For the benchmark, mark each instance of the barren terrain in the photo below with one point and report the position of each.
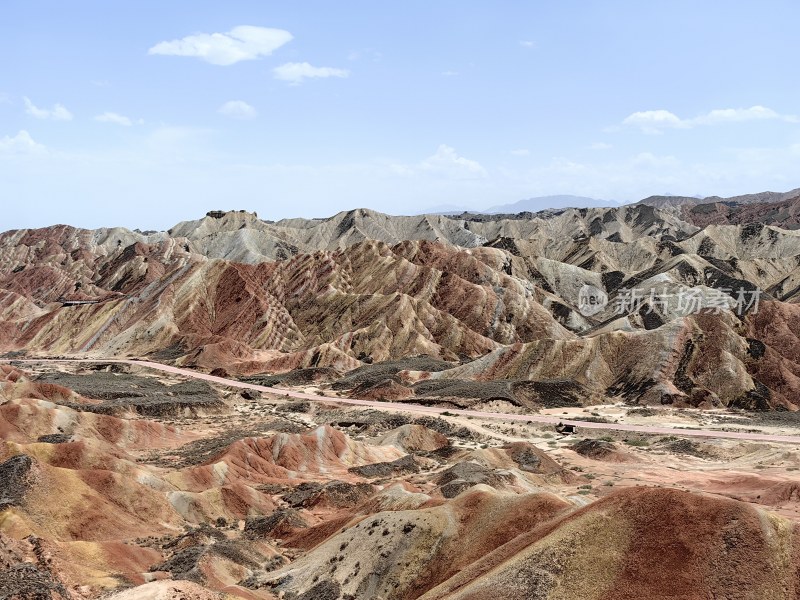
(369, 406)
(256, 494)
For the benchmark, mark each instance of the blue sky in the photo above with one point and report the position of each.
(142, 114)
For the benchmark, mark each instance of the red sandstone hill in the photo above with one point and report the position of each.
(92, 504)
(495, 301)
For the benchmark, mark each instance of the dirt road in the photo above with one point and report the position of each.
(416, 408)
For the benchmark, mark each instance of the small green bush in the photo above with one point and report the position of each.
(638, 442)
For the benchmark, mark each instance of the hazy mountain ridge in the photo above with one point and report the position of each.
(757, 198)
(782, 213)
(541, 203)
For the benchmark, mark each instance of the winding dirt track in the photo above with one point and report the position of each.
(416, 408)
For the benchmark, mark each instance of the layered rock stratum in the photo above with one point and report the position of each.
(496, 299)
(118, 482)
(256, 497)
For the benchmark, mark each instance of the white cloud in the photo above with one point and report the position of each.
(446, 159)
(754, 113)
(112, 117)
(600, 146)
(57, 113)
(527, 43)
(237, 109)
(295, 73)
(728, 172)
(449, 73)
(655, 121)
(22, 143)
(446, 163)
(521, 152)
(175, 170)
(245, 42)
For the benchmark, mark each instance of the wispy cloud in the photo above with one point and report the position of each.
(245, 42)
(57, 113)
(22, 143)
(754, 113)
(296, 73)
(527, 43)
(112, 117)
(521, 152)
(447, 159)
(5, 98)
(445, 163)
(449, 73)
(656, 121)
(238, 109)
(600, 146)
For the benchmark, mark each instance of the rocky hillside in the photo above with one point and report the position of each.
(495, 305)
(256, 497)
(758, 198)
(783, 213)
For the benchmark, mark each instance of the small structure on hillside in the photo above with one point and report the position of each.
(65, 302)
(566, 429)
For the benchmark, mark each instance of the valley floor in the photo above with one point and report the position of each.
(149, 481)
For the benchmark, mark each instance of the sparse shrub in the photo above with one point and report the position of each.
(637, 442)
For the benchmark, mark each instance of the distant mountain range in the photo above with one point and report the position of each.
(758, 198)
(561, 201)
(533, 205)
(544, 202)
(784, 213)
